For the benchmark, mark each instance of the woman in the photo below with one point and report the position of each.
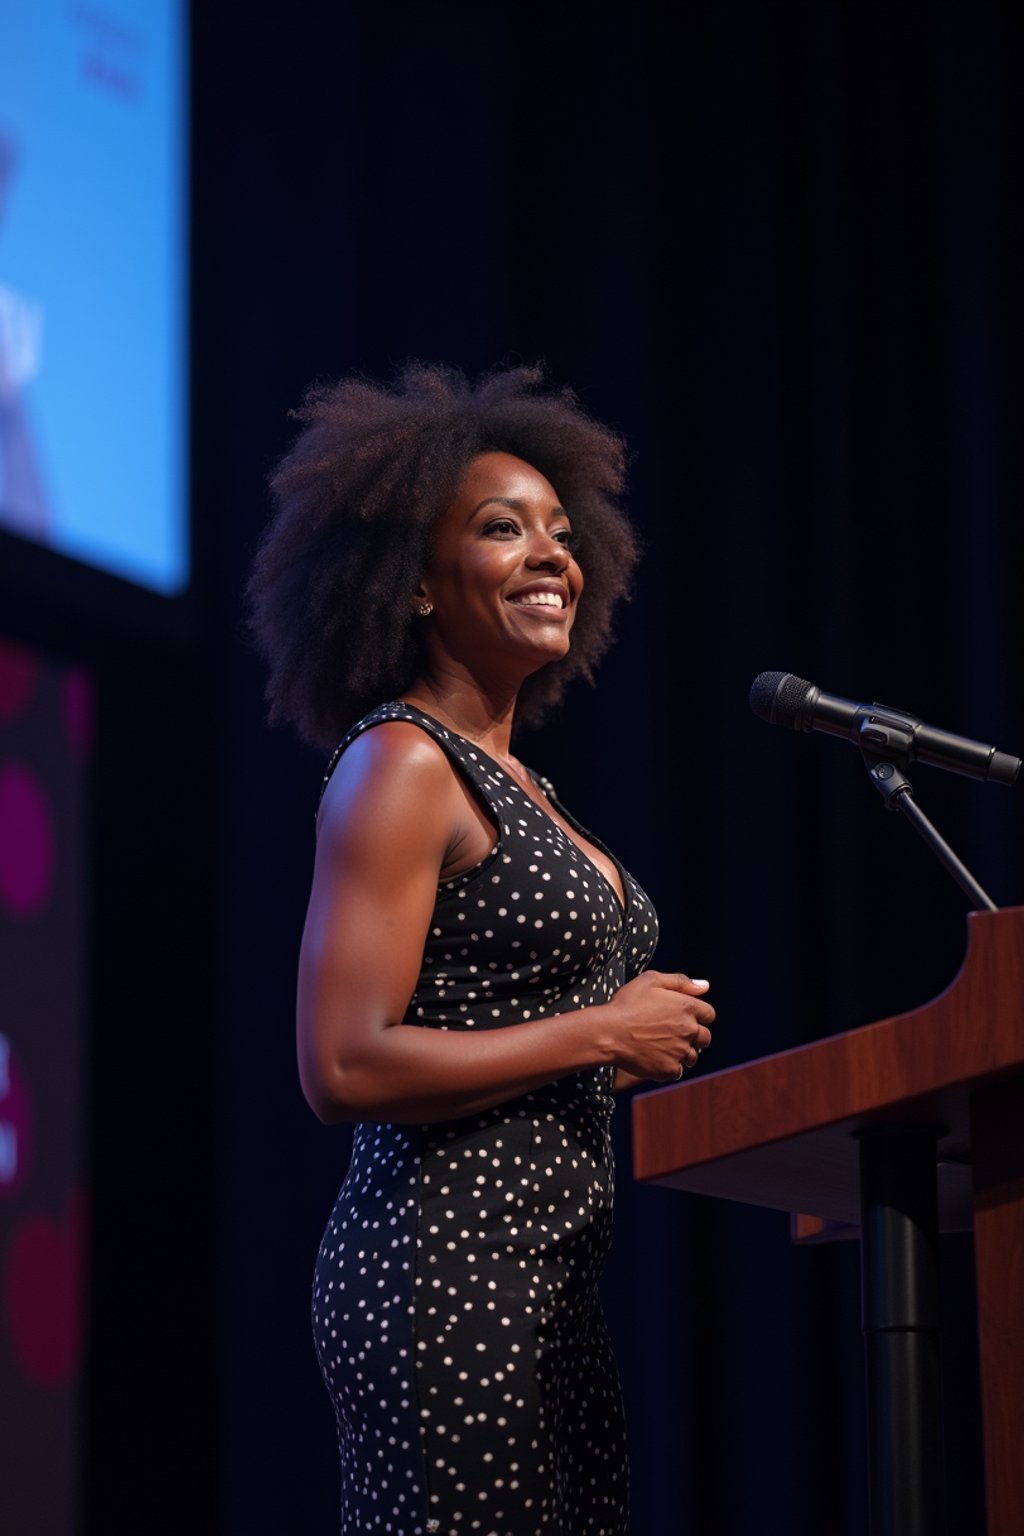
(471, 983)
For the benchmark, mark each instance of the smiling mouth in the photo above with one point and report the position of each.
(539, 600)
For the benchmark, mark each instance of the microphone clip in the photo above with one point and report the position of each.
(890, 738)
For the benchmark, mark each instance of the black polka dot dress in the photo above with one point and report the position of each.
(455, 1306)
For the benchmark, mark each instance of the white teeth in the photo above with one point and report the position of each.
(536, 599)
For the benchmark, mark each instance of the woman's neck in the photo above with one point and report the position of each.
(480, 715)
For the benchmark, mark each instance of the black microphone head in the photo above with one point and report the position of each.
(780, 698)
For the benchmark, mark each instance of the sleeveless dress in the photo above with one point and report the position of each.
(455, 1308)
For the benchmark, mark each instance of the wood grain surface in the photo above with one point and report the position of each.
(782, 1132)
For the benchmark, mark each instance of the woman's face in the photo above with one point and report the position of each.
(503, 580)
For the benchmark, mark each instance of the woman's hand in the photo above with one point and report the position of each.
(657, 1025)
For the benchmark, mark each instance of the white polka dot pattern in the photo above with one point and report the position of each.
(455, 1307)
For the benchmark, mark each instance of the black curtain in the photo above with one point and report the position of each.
(777, 245)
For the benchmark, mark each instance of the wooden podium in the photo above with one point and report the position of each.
(785, 1132)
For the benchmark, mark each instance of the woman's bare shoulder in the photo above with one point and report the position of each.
(394, 770)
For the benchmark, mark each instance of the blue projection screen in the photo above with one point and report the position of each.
(93, 283)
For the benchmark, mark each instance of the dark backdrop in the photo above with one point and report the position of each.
(778, 246)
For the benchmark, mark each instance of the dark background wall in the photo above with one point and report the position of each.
(778, 246)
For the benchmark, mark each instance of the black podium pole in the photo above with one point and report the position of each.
(900, 1305)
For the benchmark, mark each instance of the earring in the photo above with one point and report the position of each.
(426, 609)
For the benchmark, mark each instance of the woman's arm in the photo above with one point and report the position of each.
(391, 815)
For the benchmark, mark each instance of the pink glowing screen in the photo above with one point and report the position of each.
(45, 743)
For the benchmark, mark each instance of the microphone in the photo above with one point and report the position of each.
(782, 699)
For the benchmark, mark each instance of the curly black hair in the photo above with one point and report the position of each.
(357, 498)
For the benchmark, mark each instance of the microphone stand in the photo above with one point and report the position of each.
(899, 1252)
(898, 793)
